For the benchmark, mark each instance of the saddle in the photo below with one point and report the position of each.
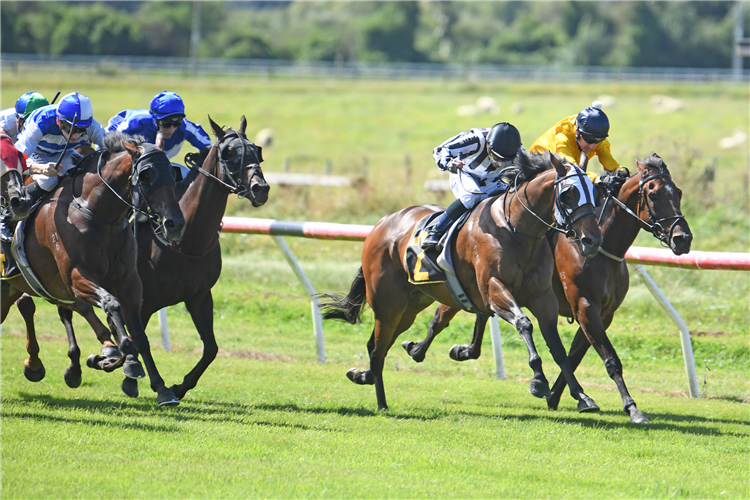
(432, 266)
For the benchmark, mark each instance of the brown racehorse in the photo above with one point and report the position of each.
(594, 288)
(82, 249)
(500, 256)
(13, 197)
(591, 291)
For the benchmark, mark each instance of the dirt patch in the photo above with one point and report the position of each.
(708, 333)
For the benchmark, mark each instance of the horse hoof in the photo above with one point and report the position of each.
(539, 389)
(353, 375)
(111, 351)
(130, 387)
(72, 377)
(411, 349)
(167, 398)
(34, 375)
(636, 417)
(586, 405)
(133, 368)
(552, 402)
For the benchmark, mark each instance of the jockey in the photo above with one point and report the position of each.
(46, 134)
(475, 159)
(164, 125)
(12, 119)
(583, 133)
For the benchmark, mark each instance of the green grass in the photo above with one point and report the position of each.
(267, 420)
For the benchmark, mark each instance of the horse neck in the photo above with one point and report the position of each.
(100, 199)
(619, 228)
(203, 205)
(538, 197)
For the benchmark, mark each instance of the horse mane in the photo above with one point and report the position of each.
(113, 141)
(654, 162)
(527, 166)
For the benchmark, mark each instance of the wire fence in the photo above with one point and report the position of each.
(367, 70)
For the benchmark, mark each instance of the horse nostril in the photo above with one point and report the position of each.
(15, 202)
(169, 224)
(255, 188)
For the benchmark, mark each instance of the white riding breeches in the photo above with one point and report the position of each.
(69, 161)
(470, 190)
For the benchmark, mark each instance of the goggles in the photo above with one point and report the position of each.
(171, 121)
(66, 127)
(499, 159)
(591, 139)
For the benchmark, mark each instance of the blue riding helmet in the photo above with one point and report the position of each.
(76, 104)
(29, 102)
(593, 123)
(166, 104)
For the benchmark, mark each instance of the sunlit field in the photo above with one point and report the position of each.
(268, 420)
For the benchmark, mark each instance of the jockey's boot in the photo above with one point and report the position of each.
(35, 192)
(437, 230)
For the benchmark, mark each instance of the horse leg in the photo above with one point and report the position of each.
(110, 358)
(578, 350)
(473, 350)
(73, 372)
(504, 305)
(545, 308)
(202, 312)
(33, 368)
(443, 316)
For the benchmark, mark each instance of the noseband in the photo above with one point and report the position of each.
(226, 175)
(656, 226)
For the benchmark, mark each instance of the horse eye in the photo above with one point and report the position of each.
(146, 176)
(570, 197)
(229, 154)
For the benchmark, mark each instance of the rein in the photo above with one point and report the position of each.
(225, 172)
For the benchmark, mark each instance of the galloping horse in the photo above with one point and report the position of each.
(13, 197)
(186, 269)
(81, 248)
(591, 291)
(500, 257)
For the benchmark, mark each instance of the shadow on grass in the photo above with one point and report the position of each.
(248, 414)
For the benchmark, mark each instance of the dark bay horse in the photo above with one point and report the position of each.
(187, 269)
(500, 256)
(13, 197)
(82, 249)
(591, 290)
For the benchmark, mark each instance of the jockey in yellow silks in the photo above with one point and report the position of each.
(586, 132)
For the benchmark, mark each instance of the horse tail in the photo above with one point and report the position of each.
(346, 307)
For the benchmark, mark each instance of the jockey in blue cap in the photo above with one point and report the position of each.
(45, 134)
(164, 124)
(12, 119)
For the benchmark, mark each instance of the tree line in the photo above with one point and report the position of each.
(638, 34)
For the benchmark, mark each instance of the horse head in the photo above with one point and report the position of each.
(152, 184)
(574, 206)
(239, 163)
(657, 204)
(13, 196)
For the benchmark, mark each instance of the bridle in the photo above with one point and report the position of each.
(152, 159)
(228, 177)
(656, 226)
(564, 218)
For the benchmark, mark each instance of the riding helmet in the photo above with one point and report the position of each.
(166, 104)
(504, 140)
(75, 104)
(593, 122)
(29, 102)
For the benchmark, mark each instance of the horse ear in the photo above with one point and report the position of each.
(130, 148)
(558, 164)
(218, 132)
(243, 124)
(640, 165)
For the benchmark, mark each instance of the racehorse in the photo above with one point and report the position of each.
(500, 257)
(591, 290)
(13, 197)
(82, 249)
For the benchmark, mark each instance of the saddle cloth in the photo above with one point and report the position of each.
(430, 266)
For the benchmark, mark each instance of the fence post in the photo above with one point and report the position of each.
(687, 346)
(317, 318)
(497, 346)
(164, 329)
